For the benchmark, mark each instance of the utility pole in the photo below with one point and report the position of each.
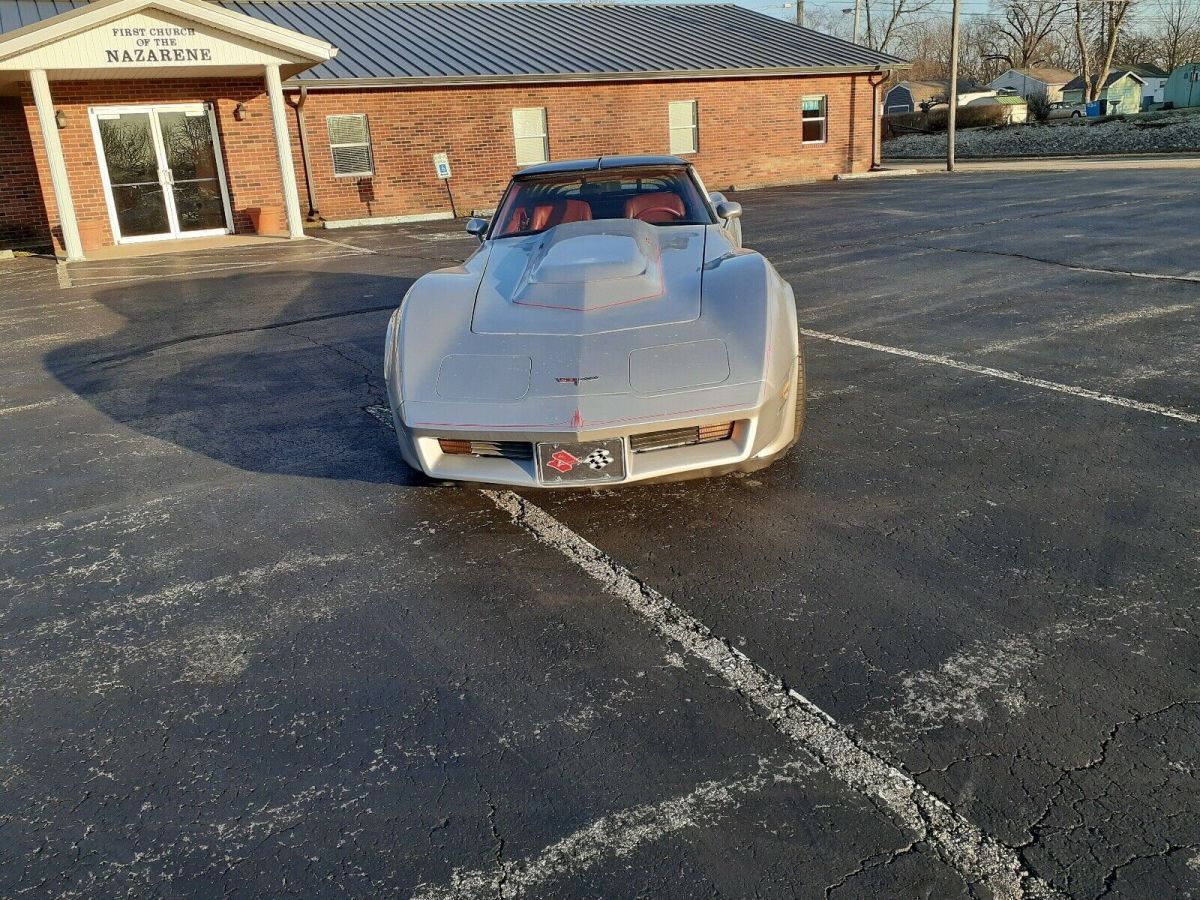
(857, 7)
(1104, 8)
(952, 114)
(800, 13)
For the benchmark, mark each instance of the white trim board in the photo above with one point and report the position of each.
(305, 49)
(388, 220)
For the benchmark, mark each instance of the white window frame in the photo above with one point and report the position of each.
(823, 99)
(518, 137)
(692, 130)
(364, 144)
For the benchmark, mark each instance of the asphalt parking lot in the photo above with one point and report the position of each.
(947, 647)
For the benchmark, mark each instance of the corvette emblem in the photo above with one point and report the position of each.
(575, 380)
(598, 459)
(563, 461)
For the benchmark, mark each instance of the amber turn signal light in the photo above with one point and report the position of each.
(709, 433)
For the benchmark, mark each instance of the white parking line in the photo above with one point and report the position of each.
(615, 835)
(40, 404)
(86, 278)
(1085, 393)
(1126, 317)
(978, 857)
(343, 244)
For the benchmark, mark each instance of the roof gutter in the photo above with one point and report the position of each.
(582, 77)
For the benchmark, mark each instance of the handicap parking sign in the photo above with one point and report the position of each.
(441, 162)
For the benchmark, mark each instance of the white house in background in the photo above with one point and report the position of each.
(1045, 81)
(1016, 109)
(1155, 88)
(914, 96)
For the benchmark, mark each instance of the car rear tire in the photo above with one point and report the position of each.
(1077, 115)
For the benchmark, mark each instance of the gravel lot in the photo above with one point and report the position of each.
(947, 648)
(1154, 133)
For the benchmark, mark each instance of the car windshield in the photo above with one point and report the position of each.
(656, 196)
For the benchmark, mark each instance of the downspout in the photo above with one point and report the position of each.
(876, 162)
(314, 214)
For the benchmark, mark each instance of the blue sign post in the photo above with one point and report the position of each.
(441, 165)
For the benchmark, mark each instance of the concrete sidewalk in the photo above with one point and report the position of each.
(1053, 163)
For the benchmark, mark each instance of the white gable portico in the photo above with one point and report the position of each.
(147, 41)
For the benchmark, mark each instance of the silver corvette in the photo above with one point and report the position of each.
(609, 329)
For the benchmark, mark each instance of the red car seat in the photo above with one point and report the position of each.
(656, 208)
(547, 214)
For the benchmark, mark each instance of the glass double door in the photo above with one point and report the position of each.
(163, 171)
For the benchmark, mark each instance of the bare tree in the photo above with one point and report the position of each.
(1140, 46)
(1022, 34)
(1097, 28)
(830, 20)
(887, 20)
(926, 45)
(1178, 32)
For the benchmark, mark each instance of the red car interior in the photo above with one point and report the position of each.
(548, 214)
(656, 208)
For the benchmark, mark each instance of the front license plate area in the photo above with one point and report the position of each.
(588, 462)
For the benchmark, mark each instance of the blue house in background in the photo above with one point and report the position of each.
(1183, 87)
(1122, 91)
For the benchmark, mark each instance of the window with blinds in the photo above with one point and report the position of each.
(684, 125)
(812, 112)
(529, 135)
(350, 143)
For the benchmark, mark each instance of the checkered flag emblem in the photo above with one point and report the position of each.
(598, 459)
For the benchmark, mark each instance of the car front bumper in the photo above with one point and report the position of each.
(763, 429)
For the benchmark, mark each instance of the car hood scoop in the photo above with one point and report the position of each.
(590, 277)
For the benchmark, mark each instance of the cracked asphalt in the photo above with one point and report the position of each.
(245, 652)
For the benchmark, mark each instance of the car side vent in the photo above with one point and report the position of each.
(502, 449)
(680, 437)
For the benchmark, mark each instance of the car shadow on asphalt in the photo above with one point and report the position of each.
(270, 371)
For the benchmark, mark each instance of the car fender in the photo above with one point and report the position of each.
(433, 319)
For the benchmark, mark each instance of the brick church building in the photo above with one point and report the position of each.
(150, 120)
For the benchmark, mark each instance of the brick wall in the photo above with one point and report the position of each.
(749, 136)
(248, 147)
(22, 212)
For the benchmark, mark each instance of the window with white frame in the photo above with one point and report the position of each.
(812, 112)
(530, 136)
(350, 143)
(684, 124)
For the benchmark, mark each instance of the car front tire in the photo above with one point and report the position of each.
(801, 396)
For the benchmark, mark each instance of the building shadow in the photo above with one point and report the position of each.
(273, 371)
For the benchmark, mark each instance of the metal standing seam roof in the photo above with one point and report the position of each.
(1115, 74)
(16, 14)
(388, 41)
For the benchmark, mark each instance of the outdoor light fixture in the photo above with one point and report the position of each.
(239, 112)
(60, 119)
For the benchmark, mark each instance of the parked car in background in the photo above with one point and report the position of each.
(1065, 110)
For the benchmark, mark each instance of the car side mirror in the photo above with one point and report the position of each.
(477, 228)
(730, 214)
(729, 209)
